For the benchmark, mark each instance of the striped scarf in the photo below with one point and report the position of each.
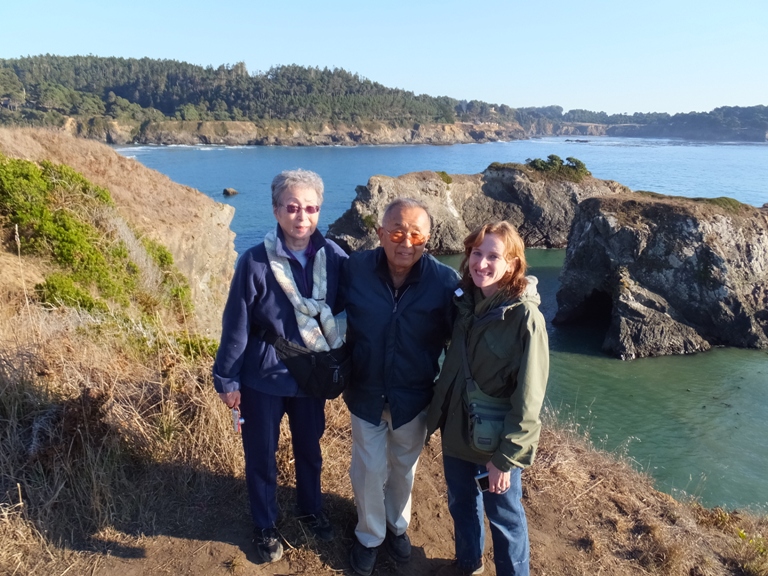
(318, 337)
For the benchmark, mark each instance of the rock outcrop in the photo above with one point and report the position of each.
(540, 207)
(192, 226)
(668, 275)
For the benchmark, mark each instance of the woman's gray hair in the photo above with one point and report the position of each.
(288, 179)
(400, 203)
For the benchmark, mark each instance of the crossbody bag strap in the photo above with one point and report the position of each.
(469, 381)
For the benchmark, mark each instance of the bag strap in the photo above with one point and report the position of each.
(267, 335)
(470, 383)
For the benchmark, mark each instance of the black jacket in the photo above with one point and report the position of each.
(396, 338)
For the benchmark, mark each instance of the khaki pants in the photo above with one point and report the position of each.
(382, 471)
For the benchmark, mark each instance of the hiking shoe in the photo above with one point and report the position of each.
(267, 544)
(399, 547)
(454, 569)
(363, 559)
(319, 525)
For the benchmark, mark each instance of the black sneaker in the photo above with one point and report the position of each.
(363, 559)
(319, 525)
(268, 545)
(399, 547)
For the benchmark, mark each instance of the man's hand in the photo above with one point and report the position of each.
(231, 399)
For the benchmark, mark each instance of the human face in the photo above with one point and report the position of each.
(487, 264)
(401, 256)
(299, 226)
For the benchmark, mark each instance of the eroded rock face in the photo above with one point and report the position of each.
(674, 275)
(540, 208)
(232, 133)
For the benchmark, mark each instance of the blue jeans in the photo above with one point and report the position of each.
(509, 529)
(261, 432)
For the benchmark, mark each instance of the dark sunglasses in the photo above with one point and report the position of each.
(294, 208)
(397, 236)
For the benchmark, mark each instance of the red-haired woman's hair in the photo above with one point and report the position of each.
(513, 282)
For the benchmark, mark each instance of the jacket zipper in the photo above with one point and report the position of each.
(395, 294)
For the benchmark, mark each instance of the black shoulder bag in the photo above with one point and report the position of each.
(319, 374)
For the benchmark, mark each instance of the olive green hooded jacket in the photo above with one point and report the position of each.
(509, 358)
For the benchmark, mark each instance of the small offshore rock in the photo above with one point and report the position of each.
(230, 192)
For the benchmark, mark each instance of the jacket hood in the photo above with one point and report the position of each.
(531, 292)
(466, 302)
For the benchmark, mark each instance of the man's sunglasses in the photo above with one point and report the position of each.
(397, 236)
(295, 208)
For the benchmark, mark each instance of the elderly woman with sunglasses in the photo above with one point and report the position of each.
(399, 317)
(286, 285)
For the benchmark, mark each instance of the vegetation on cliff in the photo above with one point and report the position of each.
(53, 212)
(573, 169)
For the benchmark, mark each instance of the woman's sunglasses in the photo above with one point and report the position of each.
(295, 208)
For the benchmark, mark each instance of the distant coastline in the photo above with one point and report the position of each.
(242, 133)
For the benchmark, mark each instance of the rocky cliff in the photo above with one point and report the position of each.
(540, 207)
(192, 226)
(688, 132)
(668, 275)
(286, 133)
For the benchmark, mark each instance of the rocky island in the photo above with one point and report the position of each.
(668, 275)
(540, 203)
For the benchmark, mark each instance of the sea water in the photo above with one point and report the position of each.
(696, 424)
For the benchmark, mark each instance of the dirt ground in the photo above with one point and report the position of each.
(588, 513)
(219, 541)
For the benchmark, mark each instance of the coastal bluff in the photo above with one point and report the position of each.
(541, 207)
(291, 133)
(194, 228)
(668, 275)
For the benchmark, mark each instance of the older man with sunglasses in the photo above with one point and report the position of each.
(399, 318)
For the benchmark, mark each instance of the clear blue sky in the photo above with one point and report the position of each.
(610, 55)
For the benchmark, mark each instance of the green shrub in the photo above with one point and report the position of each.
(54, 208)
(370, 222)
(573, 169)
(61, 290)
(444, 176)
(159, 253)
(194, 346)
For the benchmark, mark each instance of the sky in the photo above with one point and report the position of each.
(601, 55)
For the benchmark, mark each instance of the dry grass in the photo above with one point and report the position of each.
(105, 423)
(111, 437)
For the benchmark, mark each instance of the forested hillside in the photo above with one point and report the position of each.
(44, 89)
(94, 91)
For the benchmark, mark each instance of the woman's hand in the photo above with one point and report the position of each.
(232, 400)
(498, 481)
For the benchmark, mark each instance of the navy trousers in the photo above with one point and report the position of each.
(261, 432)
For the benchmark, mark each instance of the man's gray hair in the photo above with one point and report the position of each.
(296, 178)
(400, 203)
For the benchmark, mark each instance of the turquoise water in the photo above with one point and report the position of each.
(695, 423)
